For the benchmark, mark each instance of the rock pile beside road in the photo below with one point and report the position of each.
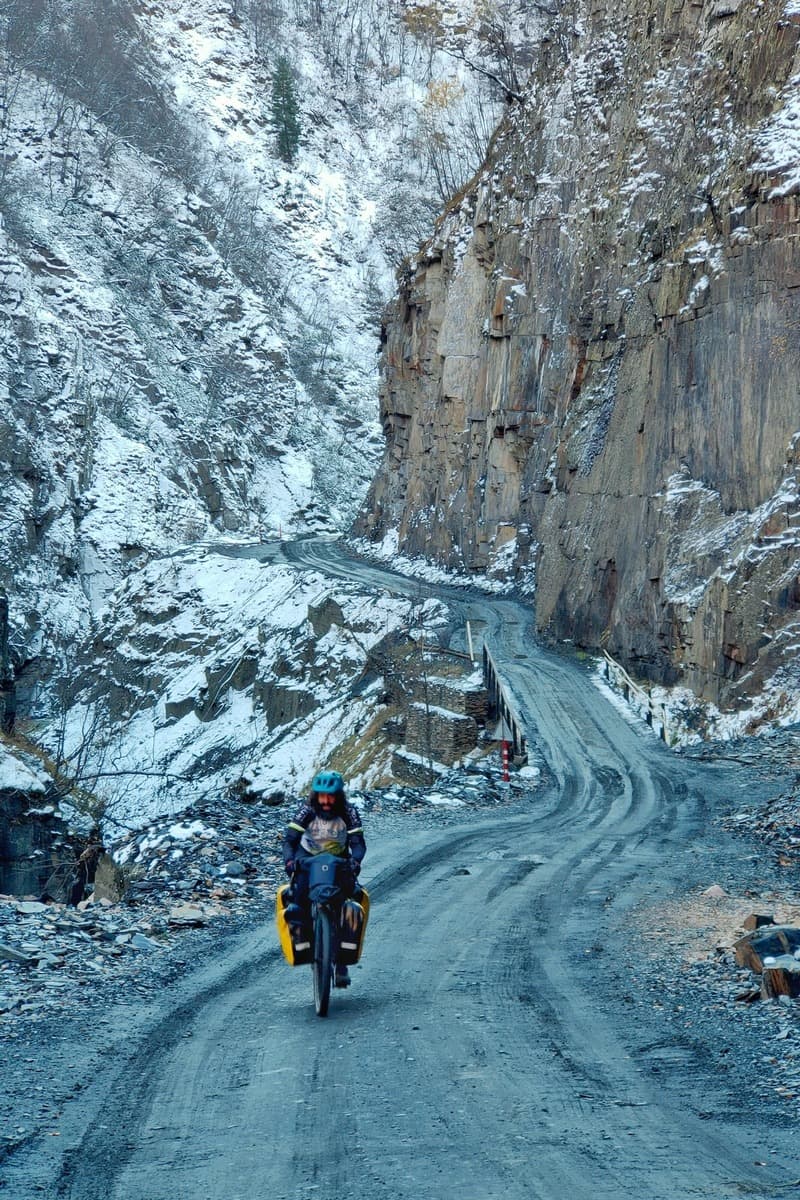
(776, 824)
(774, 820)
(178, 874)
(687, 963)
(215, 863)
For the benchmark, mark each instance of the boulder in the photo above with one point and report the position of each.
(757, 921)
(773, 941)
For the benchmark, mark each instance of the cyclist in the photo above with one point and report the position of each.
(327, 824)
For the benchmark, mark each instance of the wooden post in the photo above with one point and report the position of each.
(504, 759)
(780, 977)
(469, 644)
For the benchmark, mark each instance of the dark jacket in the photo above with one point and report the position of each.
(311, 831)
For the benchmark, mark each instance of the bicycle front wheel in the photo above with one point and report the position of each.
(322, 966)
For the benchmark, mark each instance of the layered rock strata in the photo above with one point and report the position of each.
(590, 373)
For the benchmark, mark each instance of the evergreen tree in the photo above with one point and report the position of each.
(285, 116)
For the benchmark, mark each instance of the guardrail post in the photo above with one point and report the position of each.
(620, 678)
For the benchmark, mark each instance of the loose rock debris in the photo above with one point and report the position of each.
(218, 862)
(686, 960)
(694, 963)
(185, 883)
(168, 882)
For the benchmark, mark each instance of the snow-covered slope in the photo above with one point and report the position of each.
(217, 672)
(189, 324)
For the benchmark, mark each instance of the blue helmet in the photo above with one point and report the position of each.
(328, 781)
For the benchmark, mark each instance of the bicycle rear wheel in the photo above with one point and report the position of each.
(322, 966)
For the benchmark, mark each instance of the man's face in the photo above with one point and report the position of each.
(326, 801)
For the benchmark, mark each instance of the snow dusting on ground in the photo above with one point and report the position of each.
(190, 322)
(689, 721)
(225, 672)
(386, 551)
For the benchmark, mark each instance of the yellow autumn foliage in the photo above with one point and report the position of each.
(442, 94)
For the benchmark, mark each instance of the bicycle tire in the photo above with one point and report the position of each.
(322, 965)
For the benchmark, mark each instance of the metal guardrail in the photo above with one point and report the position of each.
(500, 708)
(656, 714)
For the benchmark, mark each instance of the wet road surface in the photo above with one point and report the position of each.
(475, 1056)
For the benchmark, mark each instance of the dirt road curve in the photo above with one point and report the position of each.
(476, 1056)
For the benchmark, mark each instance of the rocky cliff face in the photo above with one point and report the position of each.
(592, 369)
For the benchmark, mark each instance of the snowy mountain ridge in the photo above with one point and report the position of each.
(189, 323)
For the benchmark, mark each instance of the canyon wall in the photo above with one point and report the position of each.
(591, 371)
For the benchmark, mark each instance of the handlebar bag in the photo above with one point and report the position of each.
(329, 878)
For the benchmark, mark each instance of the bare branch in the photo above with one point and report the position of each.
(509, 93)
(132, 773)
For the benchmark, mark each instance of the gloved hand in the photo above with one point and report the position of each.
(355, 866)
(289, 865)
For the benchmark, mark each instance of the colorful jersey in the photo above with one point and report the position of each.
(317, 833)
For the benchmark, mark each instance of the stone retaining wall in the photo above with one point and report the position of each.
(452, 694)
(439, 733)
(411, 769)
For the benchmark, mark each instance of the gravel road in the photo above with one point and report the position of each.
(493, 1044)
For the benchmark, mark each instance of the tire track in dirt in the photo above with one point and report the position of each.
(475, 1058)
